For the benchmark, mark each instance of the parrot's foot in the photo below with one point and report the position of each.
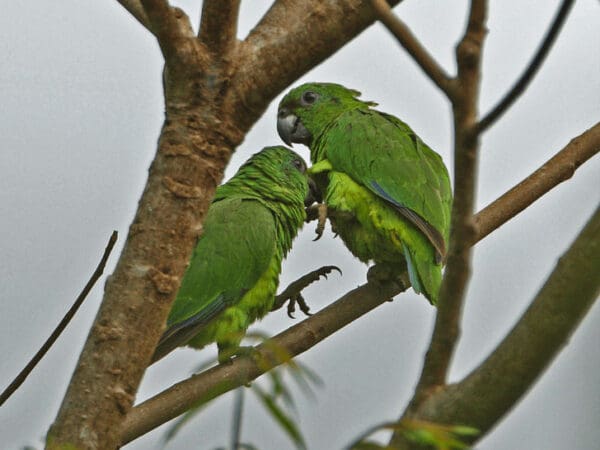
(317, 212)
(293, 293)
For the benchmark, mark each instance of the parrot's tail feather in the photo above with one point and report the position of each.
(180, 333)
(412, 272)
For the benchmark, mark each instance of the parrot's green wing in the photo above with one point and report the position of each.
(383, 154)
(235, 249)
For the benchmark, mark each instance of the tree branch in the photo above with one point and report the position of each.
(292, 38)
(196, 142)
(194, 147)
(463, 234)
(218, 27)
(171, 27)
(492, 389)
(520, 86)
(206, 118)
(207, 385)
(12, 387)
(412, 45)
(557, 169)
(136, 9)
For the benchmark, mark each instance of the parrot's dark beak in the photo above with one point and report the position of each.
(313, 195)
(291, 129)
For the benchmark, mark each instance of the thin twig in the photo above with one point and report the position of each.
(407, 39)
(299, 338)
(557, 169)
(136, 9)
(520, 86)
(12, 387)
(463, 233)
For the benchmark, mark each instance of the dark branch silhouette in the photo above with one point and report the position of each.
(537, 61)
(19, 379)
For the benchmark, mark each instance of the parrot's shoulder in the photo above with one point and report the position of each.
(234, 249)
(238, 211)
(383, 154)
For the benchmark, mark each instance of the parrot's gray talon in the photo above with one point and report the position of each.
(293, 293)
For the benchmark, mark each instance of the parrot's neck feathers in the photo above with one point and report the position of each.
(286, 206)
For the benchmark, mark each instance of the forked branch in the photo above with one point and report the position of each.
(170, 26)
(299, 338)
(462, 231)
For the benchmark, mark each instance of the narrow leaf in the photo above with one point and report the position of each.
(280, 417)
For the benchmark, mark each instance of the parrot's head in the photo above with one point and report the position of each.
(280, 174)
(307, 110)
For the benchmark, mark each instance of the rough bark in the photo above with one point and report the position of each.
(211, 100)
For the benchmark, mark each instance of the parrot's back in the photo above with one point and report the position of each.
(231, 278)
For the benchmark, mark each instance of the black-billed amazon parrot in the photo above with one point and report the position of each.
(234, 270)
(388, 195)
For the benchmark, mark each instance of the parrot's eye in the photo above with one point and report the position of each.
(299, 164)
(309, 97)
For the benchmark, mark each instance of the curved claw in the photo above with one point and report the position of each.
(291, 308)
(321, 220)
(297, 300)
(328, 269)
(319, 232)
(293, 293)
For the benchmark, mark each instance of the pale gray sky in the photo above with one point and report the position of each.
(81, 111)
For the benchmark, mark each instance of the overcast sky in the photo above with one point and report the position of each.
(81, 109)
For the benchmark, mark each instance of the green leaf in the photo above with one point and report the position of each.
(370, 445)
(463, 430)
(439, 436)
(284, 421)
(279, 389)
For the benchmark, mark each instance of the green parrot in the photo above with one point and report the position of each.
(387, 193)
(234, 271)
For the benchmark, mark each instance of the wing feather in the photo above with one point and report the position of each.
(235, 249)
(385, 155)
